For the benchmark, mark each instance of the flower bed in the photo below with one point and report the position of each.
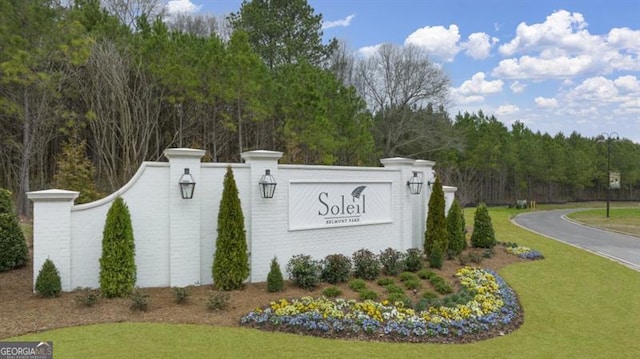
(493, 310)
(524, 252)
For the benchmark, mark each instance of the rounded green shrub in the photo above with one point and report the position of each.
(13, 246)
(392, 261)
(413, 284)
(331, 292)
(483, 235)
(48, 283)
(425, 274)
(413, 260)
(368, 294)
(336, 268)
(397, 297)
(140, 300)
(405, 276)
(275, 282)
(393, 288)
(385, 281)
(366, 265)
(117, 264)
(357, 285)
(303, 271)
(231, 260)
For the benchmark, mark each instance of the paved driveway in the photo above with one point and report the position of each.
(553, 224)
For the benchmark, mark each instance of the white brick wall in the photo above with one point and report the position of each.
(175, 238)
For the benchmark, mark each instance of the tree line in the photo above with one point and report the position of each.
(127, 81)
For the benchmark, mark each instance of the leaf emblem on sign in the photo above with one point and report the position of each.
(357, 192)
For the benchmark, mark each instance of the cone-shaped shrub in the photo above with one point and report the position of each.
(75, 172)
(435, 257)
(48, 284)
(455, 229)
(483, 235)
(275, 282)
(117, 264)
(436, 232)
(13, 247)
(231, 261)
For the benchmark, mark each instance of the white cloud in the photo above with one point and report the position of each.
(459, 99)
(628, 83)
(478, 45)
(336, 23)
(597, 98)
(438, 41)
(367, 51)
(528, 67)
(597, 89)
(478, 85)
(624, 38)
(561, 28)
(505, 110)
(546, 102)
(517, 87)
(562, 47)
(182, 6)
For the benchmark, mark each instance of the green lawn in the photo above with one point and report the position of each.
(577, 305)
(626, 220)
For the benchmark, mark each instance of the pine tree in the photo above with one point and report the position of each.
(117, 264)
(6, 205)
(275, 282)
(231, 261)
(75, 172)
(483, 235)
(13, 246)
(436, 232)
(48, 283)
(455, 229)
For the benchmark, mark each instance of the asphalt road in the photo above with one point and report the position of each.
(553, 224)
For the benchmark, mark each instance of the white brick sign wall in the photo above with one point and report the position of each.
(316, 210)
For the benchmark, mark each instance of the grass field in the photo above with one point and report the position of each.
(625, 220)
(576, 304)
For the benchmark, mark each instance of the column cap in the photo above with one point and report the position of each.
(261, 155)
(424, 163)
(183, 152)
(53, 195)
(397, 162)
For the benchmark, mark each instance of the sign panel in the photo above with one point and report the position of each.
(614, 180)
(326, 204)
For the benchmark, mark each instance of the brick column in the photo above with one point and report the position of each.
(52, 232)
(263, 219)
(184, 218)
(404, 168)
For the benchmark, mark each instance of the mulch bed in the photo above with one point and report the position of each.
(24, 312)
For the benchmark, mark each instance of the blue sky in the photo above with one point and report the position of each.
(556, 66)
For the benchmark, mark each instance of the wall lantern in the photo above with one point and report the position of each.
(415, 184)
(187, 185)
(267, 185)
